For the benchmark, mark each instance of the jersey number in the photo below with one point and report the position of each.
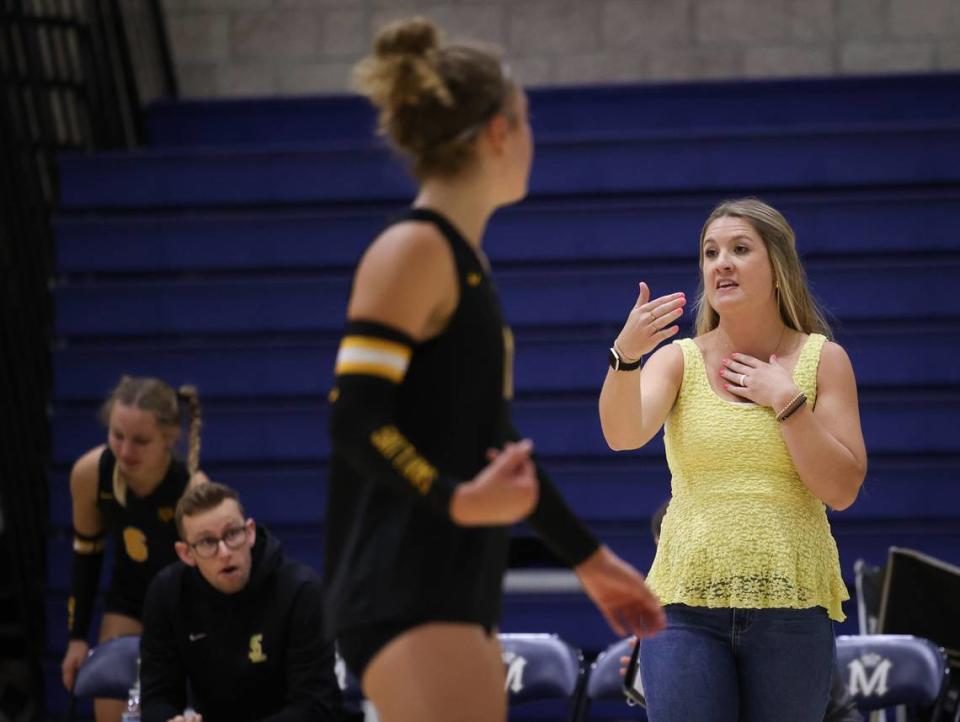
(136, 544)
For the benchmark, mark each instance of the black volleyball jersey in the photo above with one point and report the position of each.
(143, 530)
(388, 555)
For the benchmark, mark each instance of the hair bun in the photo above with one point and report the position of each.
(187, 391)
(432, 98)
(416, 36)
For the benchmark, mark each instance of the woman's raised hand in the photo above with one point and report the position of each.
(649, 323)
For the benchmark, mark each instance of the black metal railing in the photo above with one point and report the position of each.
(77, 73)
(74, 76)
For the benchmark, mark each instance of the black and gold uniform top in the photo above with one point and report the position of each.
(143, 529)
(409, 421)
(389, 555)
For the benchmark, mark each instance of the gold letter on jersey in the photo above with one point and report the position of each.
(256, 649)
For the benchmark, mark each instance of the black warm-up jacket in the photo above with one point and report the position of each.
(259, 654)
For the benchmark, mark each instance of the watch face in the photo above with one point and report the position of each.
(618, 364)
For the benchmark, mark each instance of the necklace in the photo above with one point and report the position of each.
(776, 348)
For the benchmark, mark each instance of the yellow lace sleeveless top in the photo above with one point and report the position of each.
(741, 530)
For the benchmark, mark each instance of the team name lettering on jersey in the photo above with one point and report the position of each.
(414, 468)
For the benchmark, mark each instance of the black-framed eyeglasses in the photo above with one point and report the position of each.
(234, 538)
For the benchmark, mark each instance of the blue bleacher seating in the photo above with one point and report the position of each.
(221, 254)
(714, 162)
(900, 99)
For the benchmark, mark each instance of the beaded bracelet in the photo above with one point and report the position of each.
(795, 403)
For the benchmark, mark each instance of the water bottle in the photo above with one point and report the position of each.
(132, 712)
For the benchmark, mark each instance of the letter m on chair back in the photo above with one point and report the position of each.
(888, 670)
(541, 667)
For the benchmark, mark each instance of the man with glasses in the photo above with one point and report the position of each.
(237, 622)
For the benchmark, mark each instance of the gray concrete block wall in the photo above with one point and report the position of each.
(284, 47)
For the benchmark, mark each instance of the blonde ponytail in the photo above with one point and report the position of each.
(188, 394)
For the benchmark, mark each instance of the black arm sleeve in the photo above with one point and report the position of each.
(363, 420)
(312, 693)
(553, 520)
(87, 562)
(163, 676)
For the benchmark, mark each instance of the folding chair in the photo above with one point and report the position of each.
(869, 583)
(541, 667)
(604, 682)
(919, 598)
(109, 671)
(888, 670)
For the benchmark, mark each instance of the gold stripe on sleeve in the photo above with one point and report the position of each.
(87, 546)
(372, 357)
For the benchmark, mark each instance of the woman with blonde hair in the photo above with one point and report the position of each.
(427, 473)
(128, 489)
(762, 434)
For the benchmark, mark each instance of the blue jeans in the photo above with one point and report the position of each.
(739, 665)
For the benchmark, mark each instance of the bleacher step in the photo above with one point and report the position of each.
(650, 106)
(725, 162)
